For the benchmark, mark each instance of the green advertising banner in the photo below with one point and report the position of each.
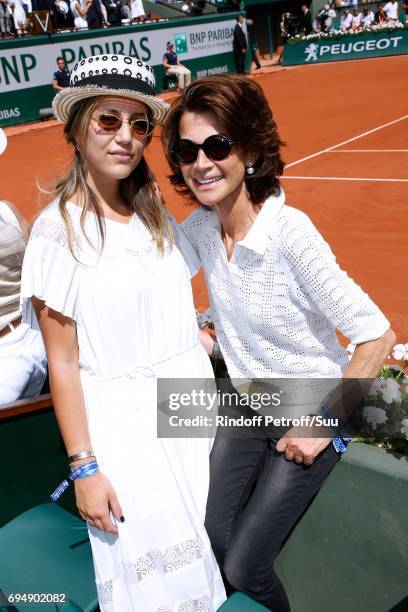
(346, 47)
(203, 44)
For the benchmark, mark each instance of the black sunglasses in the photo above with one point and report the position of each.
(216, 147)
(108, 122)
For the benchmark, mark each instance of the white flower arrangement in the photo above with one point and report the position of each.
(336, 34)
(400, 352)
(374, 416)
(383, 418)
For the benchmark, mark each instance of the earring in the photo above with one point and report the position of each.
(249, 170)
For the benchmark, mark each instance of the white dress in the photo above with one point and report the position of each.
(18, 14)
(80, 21)
(137, 8)
(135, 321)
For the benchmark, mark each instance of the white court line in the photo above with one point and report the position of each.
(340, 144)
(341, 178)
(369, 151)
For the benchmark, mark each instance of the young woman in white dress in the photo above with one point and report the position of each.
(277, 297)
(112, 295)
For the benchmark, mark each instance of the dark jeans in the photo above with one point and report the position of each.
(256, 497)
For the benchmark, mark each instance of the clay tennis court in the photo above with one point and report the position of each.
(346, 129)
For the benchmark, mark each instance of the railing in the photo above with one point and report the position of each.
(42, 402)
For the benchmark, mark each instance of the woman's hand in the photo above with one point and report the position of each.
(302, 450)
(95, 497)
(207, 341)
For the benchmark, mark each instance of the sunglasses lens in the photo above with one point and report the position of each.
(187, 152)
(109, 123)
(217, 147)
(141, 127)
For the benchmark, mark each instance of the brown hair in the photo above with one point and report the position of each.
(138, 190)
(239, 104)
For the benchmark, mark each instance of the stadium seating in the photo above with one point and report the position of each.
(47, 550)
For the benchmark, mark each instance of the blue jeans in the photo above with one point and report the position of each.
(255, 498)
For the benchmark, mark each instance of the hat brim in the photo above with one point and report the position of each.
(64, 102)
(3, 141)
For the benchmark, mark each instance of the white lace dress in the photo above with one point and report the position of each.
(135, 322)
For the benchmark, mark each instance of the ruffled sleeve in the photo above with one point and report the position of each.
(320, 278)
(185, 247)
(50, 271)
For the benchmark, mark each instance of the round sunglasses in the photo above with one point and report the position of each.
(108, 122)
(216, 147)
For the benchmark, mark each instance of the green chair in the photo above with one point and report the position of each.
(47, 550)
(238, 602)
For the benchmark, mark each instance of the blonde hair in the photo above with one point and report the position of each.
(138, 190)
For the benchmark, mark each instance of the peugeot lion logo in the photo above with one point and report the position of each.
(311, 51)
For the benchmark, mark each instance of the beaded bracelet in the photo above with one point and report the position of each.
(83, 471)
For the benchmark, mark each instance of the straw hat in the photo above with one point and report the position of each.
(110, 75)
(3, 141)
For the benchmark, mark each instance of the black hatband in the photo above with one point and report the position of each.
(116, 81)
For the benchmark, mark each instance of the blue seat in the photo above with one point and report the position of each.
(47, 550)
(238, 602)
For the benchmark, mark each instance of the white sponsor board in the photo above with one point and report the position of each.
(33, 66)
(315, 51)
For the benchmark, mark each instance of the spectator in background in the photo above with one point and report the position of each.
(187, 7)
(94, 15)
(126, 10)
(368, 18)
(331, 17)
(405, 5)
(253, 45)
(324, 18)
(380, 16)
(5, 19)
(114, 11)
(61, 76)
(79, 10)
(391, 11)
(194, 7)
(306, 26)
(23, 364)
(290, 26)
(19, 17)
(172, 66)
(239, 45)
(137, 11)
(63, 19)
(346, 21)
(356, 20)
(28, 7)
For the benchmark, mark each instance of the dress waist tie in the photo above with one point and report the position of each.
(146, 370)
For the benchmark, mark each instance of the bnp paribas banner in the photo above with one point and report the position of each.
(346, 47)
(203, 44)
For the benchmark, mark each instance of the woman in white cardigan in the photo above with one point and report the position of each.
(23, 362)
(277, 297)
